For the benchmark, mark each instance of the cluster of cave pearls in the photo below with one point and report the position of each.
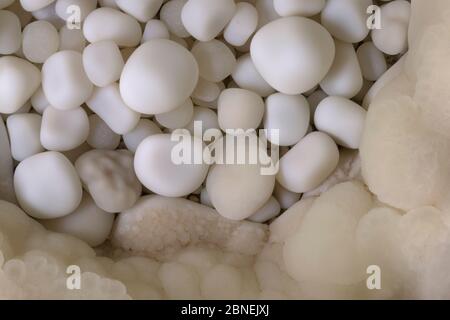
(388, 206)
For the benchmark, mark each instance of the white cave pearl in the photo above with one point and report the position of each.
(33, 5)
(344, 78)
(292, 54)
(158, 77)
(107, 103)
(205, 19)
(305, 8)
(288, 114)
(308, 163)
(342, 119)
(157, 171)
(111, 24)
(243, 24)
(103, 62)
(229, 182)
(215, 60)
(23, 130)
(40, 40)
(346, 20)
(47, 185)
(10, 32)
(239, 109)
(19, 79)
(64, 130)
(64, 80)
(101, 135)
(142, 10)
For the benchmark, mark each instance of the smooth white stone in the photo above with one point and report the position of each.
(24, 130)
(205, 19)
(64, 80)
(239, 109)
(64, 130)
(109, 178)
(170, 14)
(19, 79)
(372, 61)
(144, 129)
(305, 8)
(156, 170)
(142, 10)
(111, 24)
(103, 63)
(247, 77)
(155, 29)
(242, 25)
(287, 114)
(158, 77)
(215, 60)
(228, 186)
(88, 222)
(308, 163)
(346, 20)
(344, 78)
(302, 56)
(342, 119)
(40, 40)
(267, 212)
(100, 134)
(10, 32)
(47, 185)
(33, 5)
(107, 103)
(178, 118)
(392, 38)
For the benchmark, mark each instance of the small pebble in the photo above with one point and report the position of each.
(205, 19)
(308, 163)
(23, 130)
(342, 119)
(64, 130)
(306, 40)
(47, 185)
(157, 172)
(103, 63)
(19, 79)
(171, 69)
(64, 80)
